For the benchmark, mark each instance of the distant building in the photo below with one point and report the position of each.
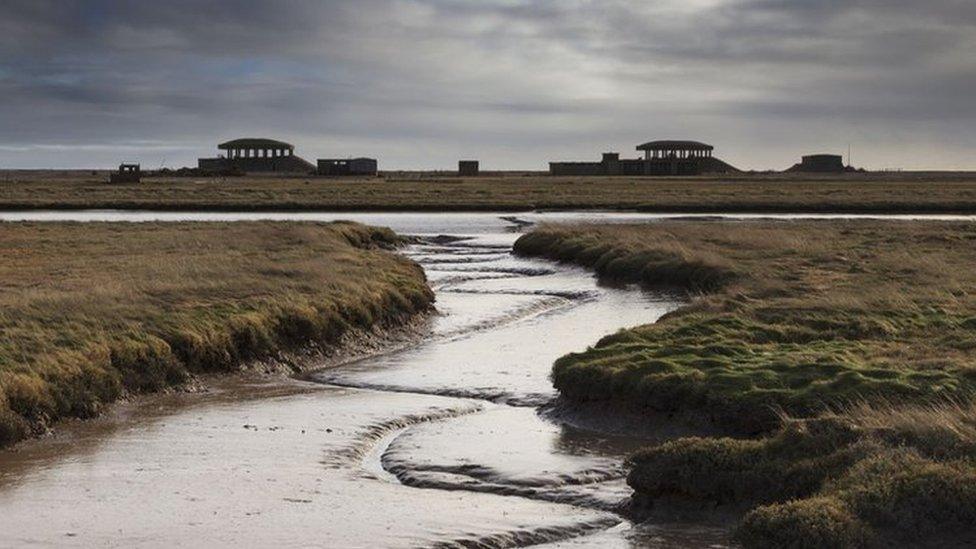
(468, 167)
(128, 173)
(258, 156)
(660, 158)
(820, 163)
(347, 166)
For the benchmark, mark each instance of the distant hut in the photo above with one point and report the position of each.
(468, 168)
(127, 173)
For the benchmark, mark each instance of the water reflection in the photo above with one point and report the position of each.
(442, 442)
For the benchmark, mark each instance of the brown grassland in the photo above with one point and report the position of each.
(840, 353)
(887, 192)
(89, 312)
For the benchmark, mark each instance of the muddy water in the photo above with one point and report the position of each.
(441, 444)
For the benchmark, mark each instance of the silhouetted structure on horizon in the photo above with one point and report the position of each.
(468, 167)
(820, 163)
(256, 155)
(660, 158)
(128, 173)
(347, 166)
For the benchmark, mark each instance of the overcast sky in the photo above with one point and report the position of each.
(514, 83)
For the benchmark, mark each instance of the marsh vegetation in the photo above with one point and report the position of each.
(91, 312)
(881, 192)
(838, 353)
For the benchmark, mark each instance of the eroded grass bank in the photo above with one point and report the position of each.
(91, 311)
(847, 344)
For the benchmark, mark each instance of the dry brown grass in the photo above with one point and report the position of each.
(933, 192)
(945, 429)
(88, 311)
(891, 474)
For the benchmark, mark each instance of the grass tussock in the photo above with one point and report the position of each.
(791, 324)
(868, 476)
(91, 311)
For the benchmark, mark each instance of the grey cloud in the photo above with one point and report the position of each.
(420, 82)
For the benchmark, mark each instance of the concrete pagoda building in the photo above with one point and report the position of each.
(256, 155)
(660, 158)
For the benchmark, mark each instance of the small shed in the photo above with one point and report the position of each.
(469, 167)
(128, 173)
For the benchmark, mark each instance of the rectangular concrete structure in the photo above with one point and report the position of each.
(469, 167)
(347, 166)
(820, 163)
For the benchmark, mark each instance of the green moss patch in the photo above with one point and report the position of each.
(796, 317)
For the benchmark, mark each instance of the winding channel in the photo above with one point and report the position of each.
(448, 443)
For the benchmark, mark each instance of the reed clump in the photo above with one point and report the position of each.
(89, 312)
(869, 475)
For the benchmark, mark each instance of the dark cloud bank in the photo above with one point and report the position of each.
(421, 83)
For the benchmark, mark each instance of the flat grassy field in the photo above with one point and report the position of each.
(895, 192)
(845, 347)
(89, 312)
